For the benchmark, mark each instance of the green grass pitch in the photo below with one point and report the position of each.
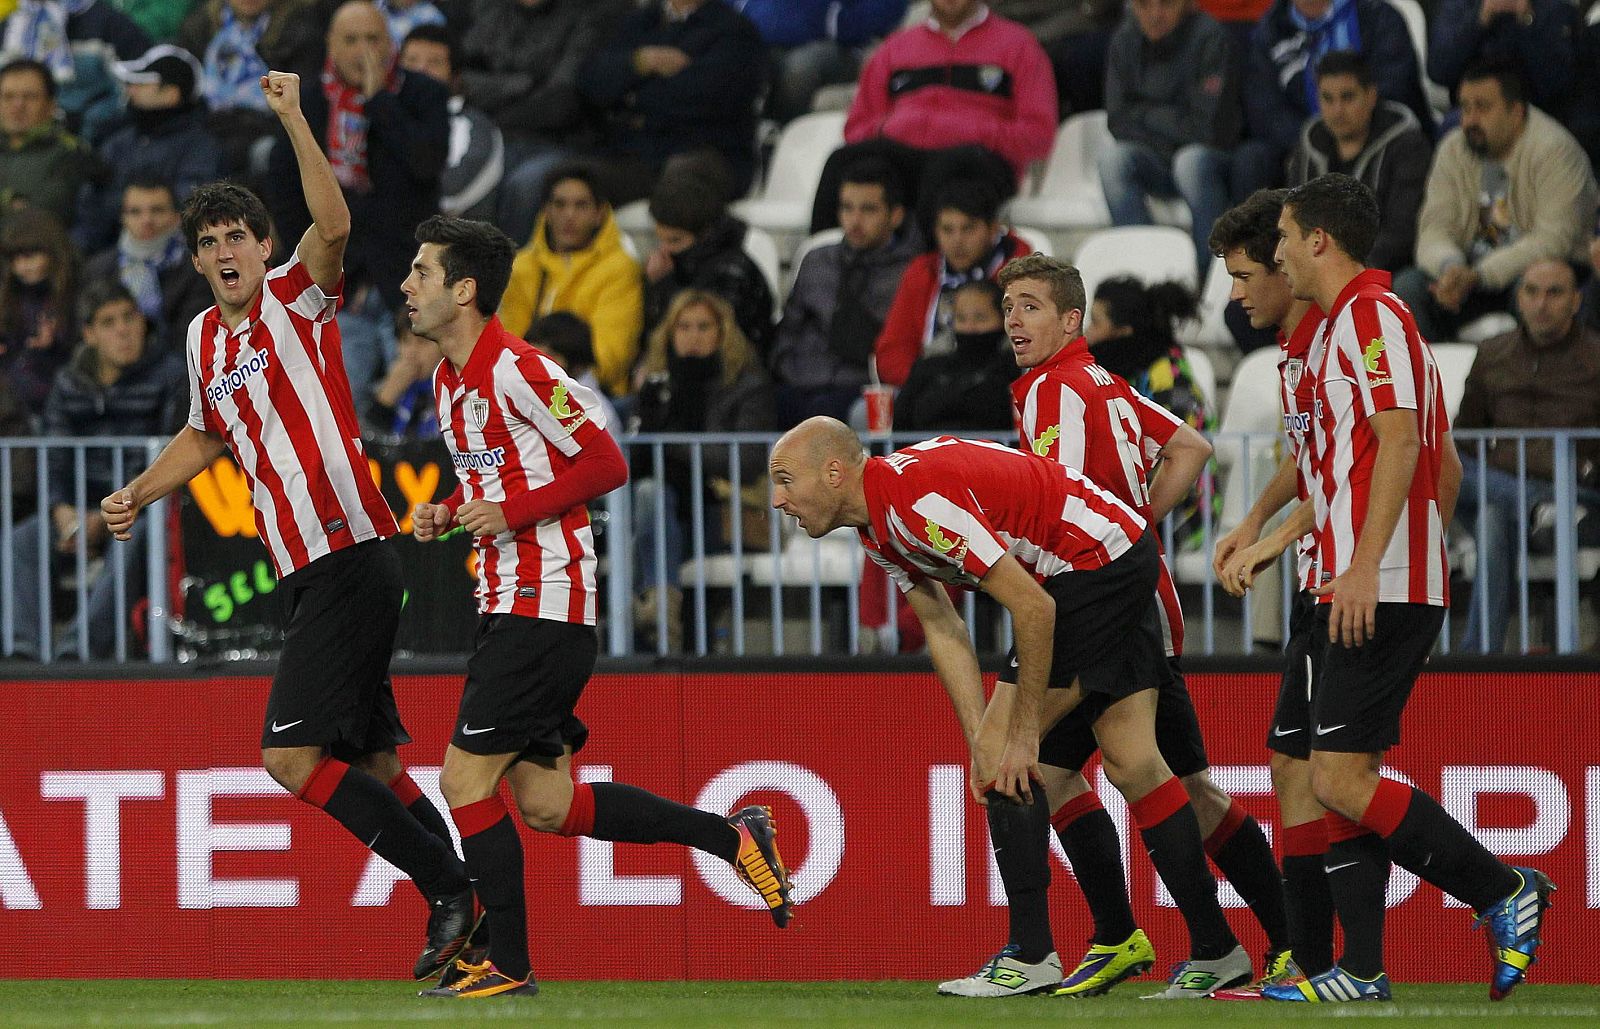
(136, 1003)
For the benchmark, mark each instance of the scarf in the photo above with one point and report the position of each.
(401, 22)
(937, 331)
(233, 66)
(347, 129)
(1336, 30)
(140, 264)
(38, 29)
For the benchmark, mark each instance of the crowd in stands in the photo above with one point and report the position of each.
(548, 116)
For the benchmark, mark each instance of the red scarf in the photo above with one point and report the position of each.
(347, 130)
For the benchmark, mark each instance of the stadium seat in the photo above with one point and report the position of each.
(763, 250)
(819, 239)
(1210, 330)
(1480, 329)
(1455, 361)
(784, 201)
(1069, 192)
(833, 561)
(1253, 406)
(1205, 375)
(635, 217)
(1037, 239)
(1149, 253)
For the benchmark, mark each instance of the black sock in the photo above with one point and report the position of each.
(1090, 839)
(1020, 834)
(494, 860)
(1436, 847)
(421, 808)
(375, 816)
(1358, 872)
(1241, 852)
(1310, 910)
(1172, 838)
(628, 814)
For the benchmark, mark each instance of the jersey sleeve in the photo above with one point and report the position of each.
(197, 386)
(294, 288)
(954, 530)
(565, 412)
(1157, 426)
(1382, 357)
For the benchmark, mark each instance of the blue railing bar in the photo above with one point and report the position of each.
(697, 526)
(1566, 497)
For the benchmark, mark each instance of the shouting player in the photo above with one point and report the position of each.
(1076, 569)
(267, 383)
(1077, 413)
(530, 448)
(1384, 488)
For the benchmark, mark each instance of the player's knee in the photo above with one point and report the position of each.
(289, 768)
(1207, 798)
(544, 811)
(1332, 788)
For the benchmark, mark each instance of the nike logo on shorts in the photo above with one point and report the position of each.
(1284, 732)
(1335, 868)
(1323, 732)
(467, 730)
(287, 725)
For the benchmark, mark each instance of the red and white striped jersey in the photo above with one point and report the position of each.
(514, 422)
(1369, 358)
(275, 391)
(1297, 390)
(1075, 412)
(949, 508)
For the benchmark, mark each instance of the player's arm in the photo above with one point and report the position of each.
(1449, 488)
(1280, 492)
(1355, 593)
(1183, 458)
(596, 469)
(321, 249)
(951, 650)
(1033, 622)
(189, 453)
(1239, 573)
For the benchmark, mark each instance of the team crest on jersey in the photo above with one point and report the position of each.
(1293, 369)
(562, 411)
(1046, 440)
(1369, 358)
(478, 409)
(954, 550)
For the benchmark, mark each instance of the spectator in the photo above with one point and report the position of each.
(840, 298)
(972, 245)
(678, 76)
(701, 375)
(77, 40)
(967, 94)
(166, 138)
(1537, 37)
(1280, 82)
(1172, 104)
(160, 19)
(37, 291)
(406, 16)
(1376, 141)
(576, 262)
(386, 133)
(1131, 333)
(403, 405)
(152, 262)
(816, 43)
(43, 165)
(113, 387)
(1074, 37)
(567, 340)
(1509, 186)
(1543, 375)
(519, 65)
(701, 246)
(17, 420)
(477, 157)
(237, 42)
(968, 389)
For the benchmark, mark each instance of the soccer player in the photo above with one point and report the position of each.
(267, 383)
(1077, 413)
(1076, 569)
(530, 449)
(1384, 487)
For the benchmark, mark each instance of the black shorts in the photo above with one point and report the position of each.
(1071, 742)
(1107, 633)
(1291, 731)
(332, 687)
(1357, 704)
(523, 680)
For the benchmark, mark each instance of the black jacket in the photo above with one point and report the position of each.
(717, 263)
(408, 140)
(151, 399)
(958, 391)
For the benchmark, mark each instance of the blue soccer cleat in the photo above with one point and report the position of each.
(1334, 986)
(1514, 925)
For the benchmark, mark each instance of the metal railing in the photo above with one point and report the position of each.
(765, 589)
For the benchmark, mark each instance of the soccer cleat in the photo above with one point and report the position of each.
(758, 862)
(1278, 967)
(1335, 986)
(1514, 924)
(1194, 979)
(1006, 976)
(450, 923)
(1106, 965)
(483, 980)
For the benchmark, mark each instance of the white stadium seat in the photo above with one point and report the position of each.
(1149, 253)
(1069, 192)
(784, 201)
(763, 250)
(1210, 330)
(1037, 239)
(1455, 361)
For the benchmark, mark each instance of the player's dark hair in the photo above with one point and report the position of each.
(39, 68)
(567, 336)
(1150, 311)
(576, 171)
(1513, 86)
(223, 203)
(1065, 282)
(1343, 207)
(437, 34)
(1345, 62)
(875, 171)
(972, 197)
(472, 250)
(1253, 226)
(99, 294)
